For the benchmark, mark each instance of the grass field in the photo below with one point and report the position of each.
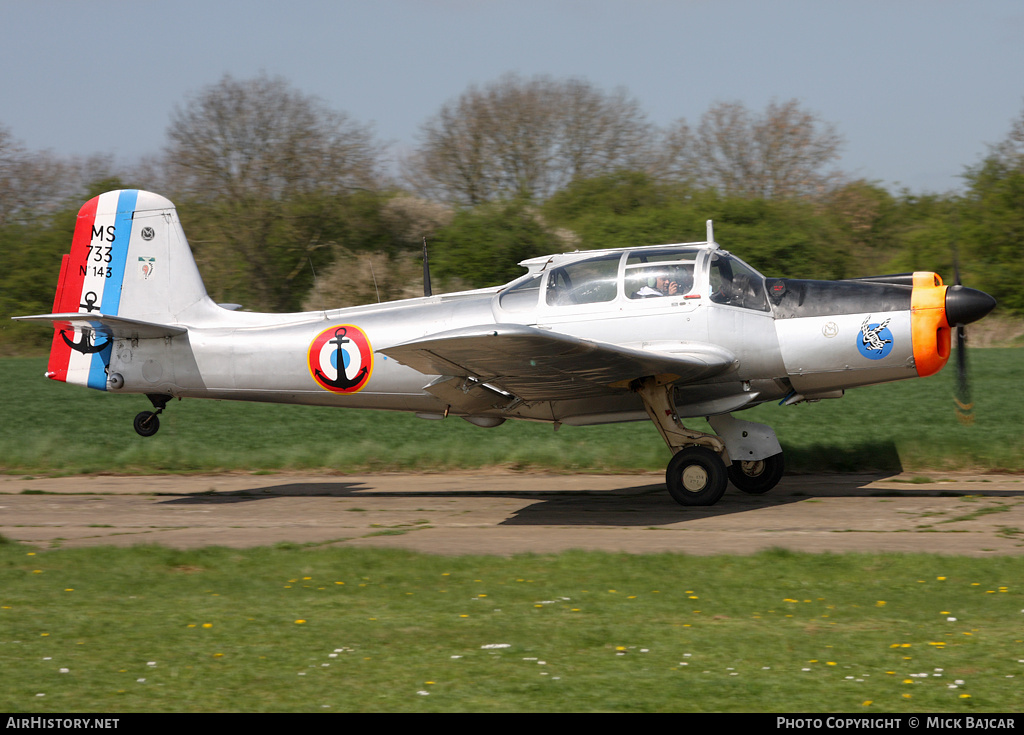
(308, 630)
(48, 427)
(316, 629)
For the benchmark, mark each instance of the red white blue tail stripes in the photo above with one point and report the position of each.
(91, 280)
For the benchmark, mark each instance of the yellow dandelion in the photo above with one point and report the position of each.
(965, 696)
(880, 603)
(941, 579)
(218, 655)
(830, 663)
(907, 696)
(299, 622)
(207, 625)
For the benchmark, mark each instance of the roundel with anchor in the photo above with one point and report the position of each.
(341, 359)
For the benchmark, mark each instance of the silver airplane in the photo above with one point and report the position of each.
(664, 332)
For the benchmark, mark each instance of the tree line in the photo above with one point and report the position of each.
(289, 204)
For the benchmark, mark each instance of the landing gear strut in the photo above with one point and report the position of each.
(147, 423)
(703, 464)
(697, 473)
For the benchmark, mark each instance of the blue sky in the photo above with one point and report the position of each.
(917, 88)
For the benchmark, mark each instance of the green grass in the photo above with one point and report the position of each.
(327, 629)
(49, 427)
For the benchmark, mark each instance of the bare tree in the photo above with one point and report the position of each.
(783, 152)
(1011, 149)
(34, 182)
(518, 137)
(272, 168)
(262, 138)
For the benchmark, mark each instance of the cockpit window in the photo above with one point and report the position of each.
(584, 282)
(734, 283)
(660, 273)
(521, 297)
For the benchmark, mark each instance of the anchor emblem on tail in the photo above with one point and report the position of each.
(83, 345)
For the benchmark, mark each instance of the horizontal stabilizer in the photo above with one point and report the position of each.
(116, 327)
(535, 364)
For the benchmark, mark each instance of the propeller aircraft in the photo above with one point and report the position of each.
(662, 332)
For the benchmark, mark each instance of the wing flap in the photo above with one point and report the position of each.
(535, 364)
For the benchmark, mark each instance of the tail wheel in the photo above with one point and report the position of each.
(759, 476)
(146, 423)
(696, 476)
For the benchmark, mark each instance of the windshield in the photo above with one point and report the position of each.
(735, 283)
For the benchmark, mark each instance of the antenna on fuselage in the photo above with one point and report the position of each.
(711, 233)
(426, 270)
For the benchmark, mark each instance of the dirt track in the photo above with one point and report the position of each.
(508, 513)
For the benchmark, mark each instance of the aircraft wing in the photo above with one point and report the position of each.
(541, 365)
(113, 326)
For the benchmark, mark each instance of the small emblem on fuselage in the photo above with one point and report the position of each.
(340, 359)
(874, 340)
(147, 233)
(830, 330)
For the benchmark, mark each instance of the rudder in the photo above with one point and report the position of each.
(129, 258)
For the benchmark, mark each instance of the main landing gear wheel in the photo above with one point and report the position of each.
(696, 476)
(146, 423)
(759, 476)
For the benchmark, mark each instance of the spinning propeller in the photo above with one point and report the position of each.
(963, 306)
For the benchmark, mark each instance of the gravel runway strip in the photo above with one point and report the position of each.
(504, 513)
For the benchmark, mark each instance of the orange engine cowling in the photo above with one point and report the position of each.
(929, 327)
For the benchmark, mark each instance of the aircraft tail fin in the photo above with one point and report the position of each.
(130, 266)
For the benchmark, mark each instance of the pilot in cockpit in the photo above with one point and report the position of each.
(662, 281)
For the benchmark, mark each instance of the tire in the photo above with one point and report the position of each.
(146, 423)
(696, 476)
(759, 476)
